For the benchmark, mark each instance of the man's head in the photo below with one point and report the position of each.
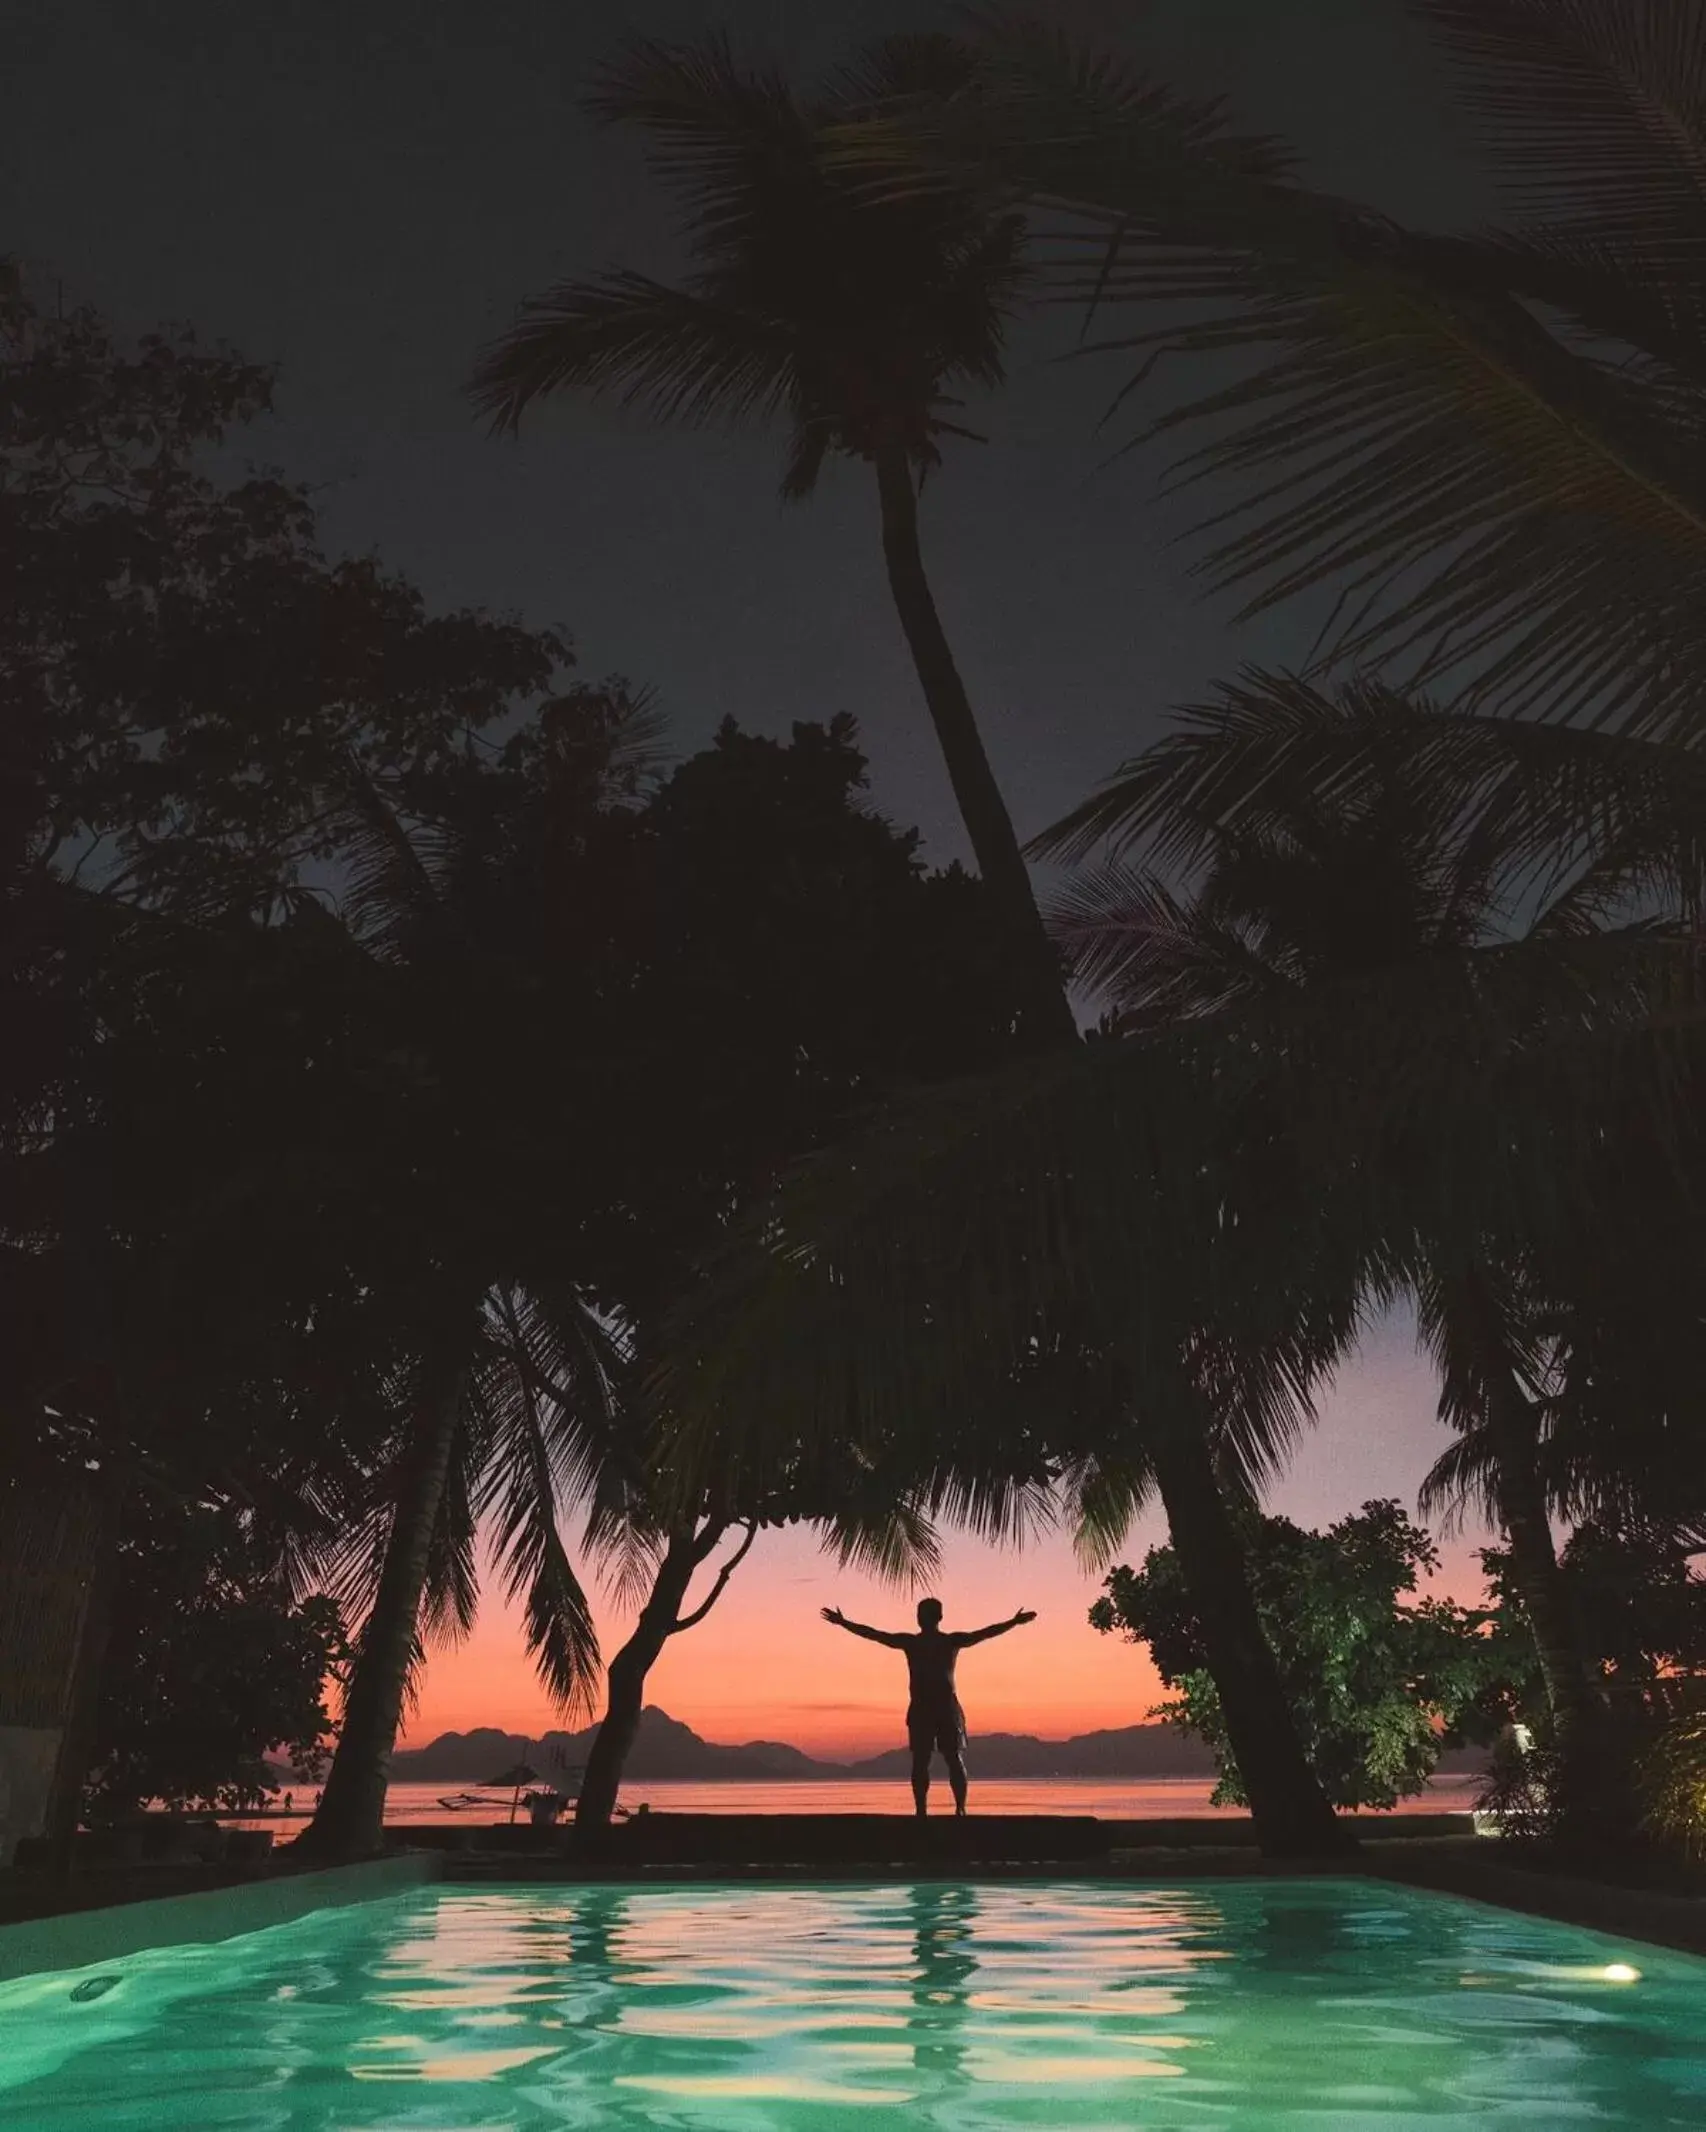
(929, 1613)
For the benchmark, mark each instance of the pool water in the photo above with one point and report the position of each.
(1232, 2006)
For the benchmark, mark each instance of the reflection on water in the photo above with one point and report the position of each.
(1243, 2006)
(943, 1915)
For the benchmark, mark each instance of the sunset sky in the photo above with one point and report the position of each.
(764, 1666)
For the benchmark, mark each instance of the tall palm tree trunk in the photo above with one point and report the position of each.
(625, 1682)
(349, 1820)
(1292, 1815)
(982, 808)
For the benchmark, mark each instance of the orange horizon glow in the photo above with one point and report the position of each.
(764, 1666)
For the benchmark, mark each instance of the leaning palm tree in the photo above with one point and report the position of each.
(856, 320)
(429, 912)
(471, 1444)
(1329, 838)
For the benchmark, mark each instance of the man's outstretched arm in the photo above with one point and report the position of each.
(858, 1628)
(995, 1628)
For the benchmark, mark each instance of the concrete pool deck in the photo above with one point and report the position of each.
(850, 1839)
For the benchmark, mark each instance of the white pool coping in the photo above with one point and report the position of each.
(75, 1938)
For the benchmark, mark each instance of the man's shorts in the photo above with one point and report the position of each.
(941, 1729)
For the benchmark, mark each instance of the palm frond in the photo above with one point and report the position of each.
(555, 1348)
(517, 1498)
(1594, 112)
(1464, 1476)
(1259, 1399)
(678, 356)
(717, 129)
(1155, 956)
(808, 447)
(451, 1599)
(1486, 496)
(999, 1508)
(627, 1542)
(897, 1543)
(553, 1411)
(906, 70)
(393, 870)
(1239, 1183)
(1552, 810)
(1104, 1496)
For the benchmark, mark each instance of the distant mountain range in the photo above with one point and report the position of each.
(667, 1748)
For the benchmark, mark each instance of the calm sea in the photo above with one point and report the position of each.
(1152, 1798)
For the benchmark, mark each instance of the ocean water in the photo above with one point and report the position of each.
(1238, 2006)
(1157, 1798)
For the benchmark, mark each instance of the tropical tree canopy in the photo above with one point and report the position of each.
(214, 1669)
(1381, 1680)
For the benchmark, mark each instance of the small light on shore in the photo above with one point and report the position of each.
(1620, 1973)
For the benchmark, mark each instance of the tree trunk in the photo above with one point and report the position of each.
(56, 1547)
(1535, 1569)
(83, 1705)
(1484, 1358)
(349, 1821)
(978, 796)
(1593, 1804)
(1292, 1815)
(625, 1681)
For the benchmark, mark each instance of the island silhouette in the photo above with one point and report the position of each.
(666, 1748)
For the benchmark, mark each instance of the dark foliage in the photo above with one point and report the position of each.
(1378, 1679)
(213, 1667)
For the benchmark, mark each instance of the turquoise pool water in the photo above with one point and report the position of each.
(1320, 2006)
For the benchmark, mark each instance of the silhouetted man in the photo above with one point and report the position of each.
(934, 1718)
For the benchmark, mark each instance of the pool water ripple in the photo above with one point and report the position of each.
(1253, 2006)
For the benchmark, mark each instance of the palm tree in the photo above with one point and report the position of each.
(1483, 446)
(473, 1444)
(1334, 1100)
(1329, 838)
(1049, 1272)
(492, 1276)
(854, 318)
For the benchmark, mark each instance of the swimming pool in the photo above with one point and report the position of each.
(1231, 2006)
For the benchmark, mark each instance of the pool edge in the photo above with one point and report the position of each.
(75, 1938)
(1674, 1922)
